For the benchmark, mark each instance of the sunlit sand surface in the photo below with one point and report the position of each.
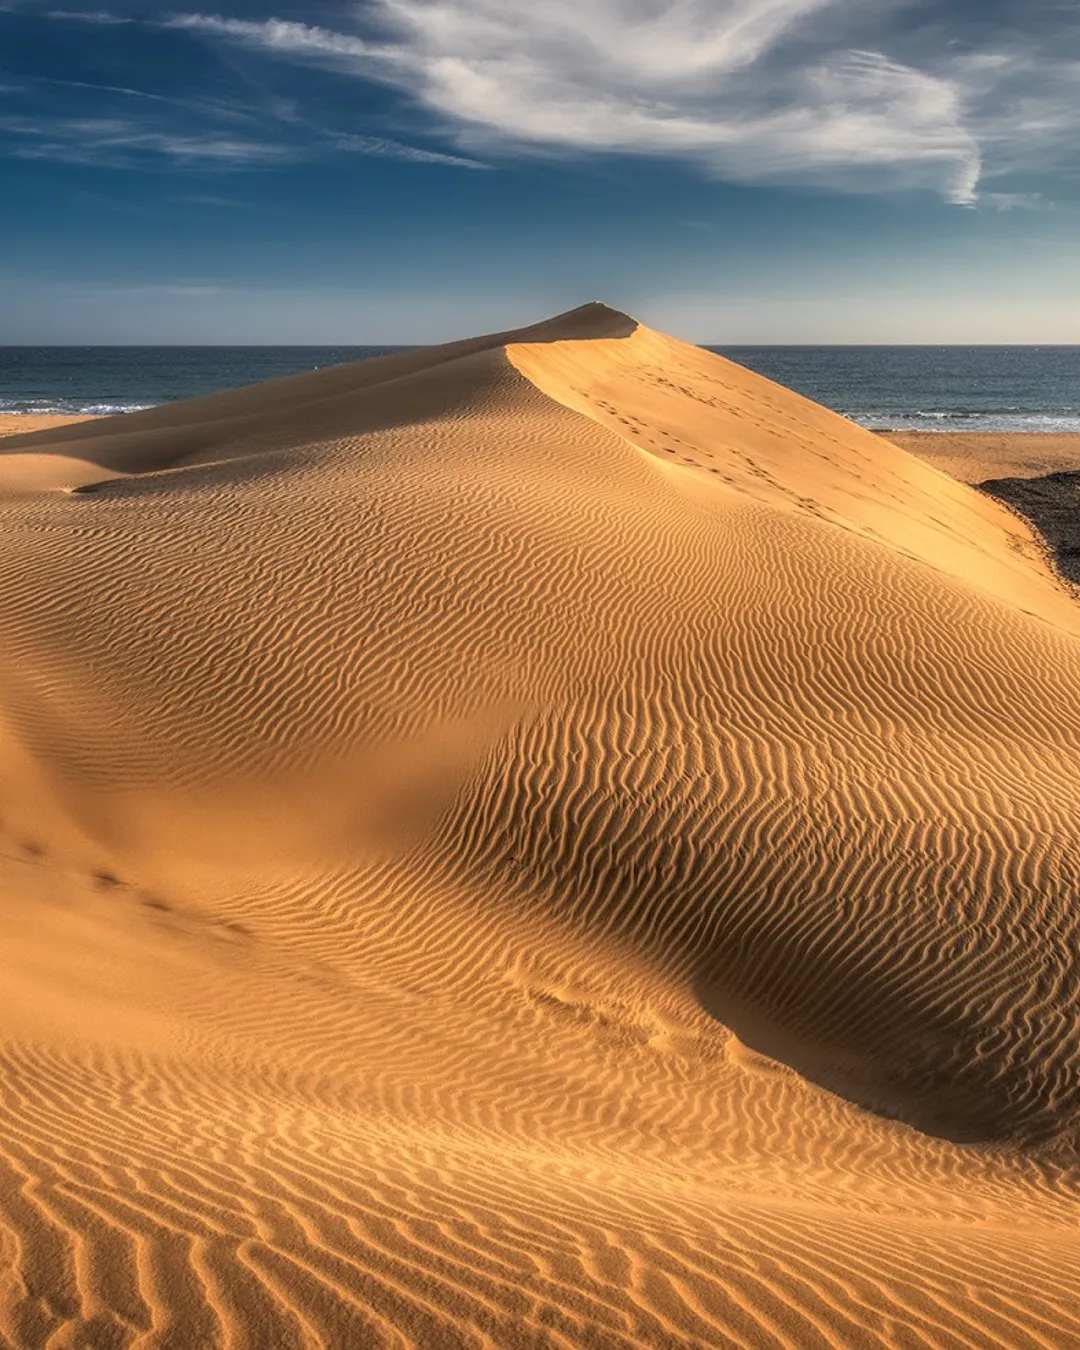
(978, 456)
(550, 841)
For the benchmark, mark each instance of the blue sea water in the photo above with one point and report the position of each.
(124, 379)
(932, 388)
(911, 388)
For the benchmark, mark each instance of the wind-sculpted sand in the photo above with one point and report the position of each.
(551, 841)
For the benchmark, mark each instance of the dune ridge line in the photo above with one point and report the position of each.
(547, 841)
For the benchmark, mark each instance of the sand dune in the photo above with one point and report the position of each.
(547, 841)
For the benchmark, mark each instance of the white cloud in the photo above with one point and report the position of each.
(276, 35)
(111, 89)
(1024, 105)
(219, 149)
(743, 88)
(1016, 201)
(99, 16)
(380, 148)
(116, 141)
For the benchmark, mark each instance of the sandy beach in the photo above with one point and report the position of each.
(21, 424)
(547, 841)
(979, 457)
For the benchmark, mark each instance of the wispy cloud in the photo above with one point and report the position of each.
(206, 108)
(826, 92)
(1017, 201)
(380, 148)
(99, 16)
(122, 141)
(965, 101)
(277, 35)
(1023, 103)
(116, 142)
(740, 87)
(110, 89)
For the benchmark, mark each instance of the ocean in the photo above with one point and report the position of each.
(909, 388)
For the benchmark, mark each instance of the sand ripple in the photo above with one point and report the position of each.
(547, 842)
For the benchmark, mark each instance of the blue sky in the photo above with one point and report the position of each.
(413, 170)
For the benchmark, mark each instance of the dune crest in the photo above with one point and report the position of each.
(550, 840)
(694, 409)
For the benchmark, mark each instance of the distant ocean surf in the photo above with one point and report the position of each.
(902, 388)
(932, 388)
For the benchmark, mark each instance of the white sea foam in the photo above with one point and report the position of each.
(966, 421)
(60, 408)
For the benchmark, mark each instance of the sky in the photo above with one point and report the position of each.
(399, 171)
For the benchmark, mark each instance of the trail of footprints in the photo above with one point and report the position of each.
(726, 1000)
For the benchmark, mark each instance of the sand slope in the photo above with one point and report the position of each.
(547, 841)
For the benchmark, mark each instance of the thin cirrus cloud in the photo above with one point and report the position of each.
(89, 16)
(378, 147)
(114, 141)
(964, 99)
(745, 89)
(122, 142)
(117, 143)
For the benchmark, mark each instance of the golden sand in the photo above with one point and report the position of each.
(978, 456)
(550, 841)
(21, 424)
